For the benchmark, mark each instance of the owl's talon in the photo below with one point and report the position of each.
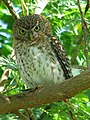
(30, 90)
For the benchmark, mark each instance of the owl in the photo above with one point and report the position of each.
(40, 57)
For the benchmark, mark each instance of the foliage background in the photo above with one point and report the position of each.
(66, 23)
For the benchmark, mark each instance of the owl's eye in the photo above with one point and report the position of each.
(37, 28)
(22, 31)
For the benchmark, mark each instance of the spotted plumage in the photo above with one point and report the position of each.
(40, 57)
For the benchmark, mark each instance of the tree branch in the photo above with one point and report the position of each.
(86, 33)
(47, 94)
(11, 10)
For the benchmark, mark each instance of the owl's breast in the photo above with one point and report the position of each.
(38, 65)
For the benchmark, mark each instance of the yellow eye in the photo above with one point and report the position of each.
(22, 31)
(37, 28)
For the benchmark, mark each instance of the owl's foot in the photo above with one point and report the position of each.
(38, 88)
(30, 90)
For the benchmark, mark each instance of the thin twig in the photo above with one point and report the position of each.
(87, 6)
(21, 115)
(24, 8)
(85, 34)
(9, 6)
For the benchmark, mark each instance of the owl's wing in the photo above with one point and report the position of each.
(62, 57)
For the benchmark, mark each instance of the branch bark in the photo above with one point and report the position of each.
(47, 94)
(10, 8)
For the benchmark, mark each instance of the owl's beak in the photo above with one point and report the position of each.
(30, 35)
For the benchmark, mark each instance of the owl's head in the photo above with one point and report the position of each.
(30, 28)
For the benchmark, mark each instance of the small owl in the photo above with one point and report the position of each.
(40, 57)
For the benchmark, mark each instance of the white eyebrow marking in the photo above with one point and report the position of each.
(23, 28)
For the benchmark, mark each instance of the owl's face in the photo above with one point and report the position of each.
(30, 28)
